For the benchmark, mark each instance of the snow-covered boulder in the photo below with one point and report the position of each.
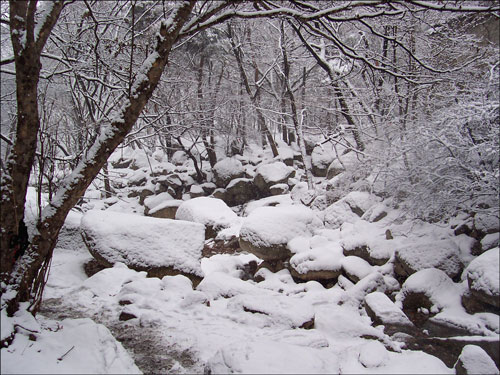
(196, 191)
(240, 191)
(158, 246)
(315, 259)
(226, 170)
(166, 209)
(474, 360)
(267, 175)
(427, 292)
(213, 213)
(346, 162)
(152, 201)
(483, 278)
(172, 182)
(441, 254)
(360, 201)
(320, 161)
(279, 189)
(490, 241)
(179, 158)
(358, 246)
(286, 155)
(355, 268)
(339, 213)
(383, 311)
(267, 230)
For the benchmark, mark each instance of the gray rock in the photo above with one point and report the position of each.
(240, 191)
(279, 189)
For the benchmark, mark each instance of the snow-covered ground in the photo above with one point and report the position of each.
(120, 321)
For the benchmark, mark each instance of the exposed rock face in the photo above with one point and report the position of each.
(442, 254)
(268, 175)
(240, 191)
(226, 170)
(383, 311)
(158, 246)
(483, 278)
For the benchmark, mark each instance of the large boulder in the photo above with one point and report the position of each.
(441, 254)
(226, 170)
(158, 246)
(383, 311)
(213, 213)
(315, 261)
(474, 360)
(271, 174)
(426, 293)
(483, 279)
(267, 230)
(152, 201)
(320, 161)
(165, 210)
(240, 191)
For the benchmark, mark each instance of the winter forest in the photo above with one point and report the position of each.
(265, 186)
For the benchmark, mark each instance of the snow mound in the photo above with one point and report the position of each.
(211, 212)
(79, 346)
(142, 242)
(272, 357)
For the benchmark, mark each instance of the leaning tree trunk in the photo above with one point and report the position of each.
(25, 281)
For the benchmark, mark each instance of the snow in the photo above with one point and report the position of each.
(476, 361)
(267, 226)
(69, 346)
(207, 211)
(145, 241)
(277, 200)
(483, 273)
